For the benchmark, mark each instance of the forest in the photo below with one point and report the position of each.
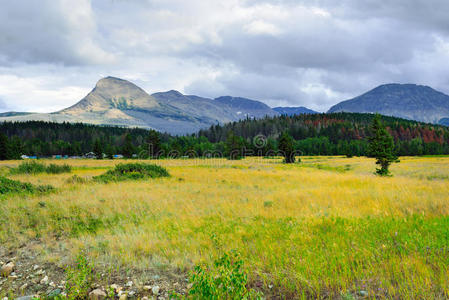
(318, 134)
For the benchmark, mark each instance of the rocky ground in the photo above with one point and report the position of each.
(24, 276)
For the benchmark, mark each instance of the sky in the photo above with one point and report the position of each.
(282, 52)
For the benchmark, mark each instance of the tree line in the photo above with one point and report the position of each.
(320, 134)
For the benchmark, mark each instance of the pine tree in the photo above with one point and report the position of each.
(381, 147)
(15, 148)
(98, 149)
(154, 144)
(109, 152)
(4, 147)
(234, 146)
(128, 147)
(286, 147)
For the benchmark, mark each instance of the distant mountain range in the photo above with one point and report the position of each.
(408, 101)
(118, 102)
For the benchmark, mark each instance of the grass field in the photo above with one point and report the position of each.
(323, 228)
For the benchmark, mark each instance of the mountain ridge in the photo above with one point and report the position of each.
(408, 101)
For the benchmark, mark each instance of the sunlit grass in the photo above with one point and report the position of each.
(325, 227)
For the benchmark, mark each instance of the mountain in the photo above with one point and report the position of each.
(291, 111)
(204, 109)
(118, 102)
(244, 107)
(408, 101)
(14, 113)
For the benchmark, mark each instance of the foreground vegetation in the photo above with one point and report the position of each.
(323, 228)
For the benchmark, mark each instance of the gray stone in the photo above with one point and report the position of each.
(97, 294)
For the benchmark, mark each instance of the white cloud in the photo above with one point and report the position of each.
(286, 52)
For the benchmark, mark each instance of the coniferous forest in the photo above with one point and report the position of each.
(319, 134)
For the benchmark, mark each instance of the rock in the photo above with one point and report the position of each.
(44, 280)
(129, 284)
(39, 272)
(123, 297)
(7, 269)
(23, 286)
(363, 293)
(26, 298)
(54, 293)
(155, 290)
(97, 294)
(147, 287)
(35, 267)
(131, 293)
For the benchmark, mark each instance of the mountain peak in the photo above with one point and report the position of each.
(409, 101)
(113, 93)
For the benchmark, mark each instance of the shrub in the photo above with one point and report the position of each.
(8, 186)
(225, 280)
(58, 169)
(132, 171)
(79, 278)
(29, 167)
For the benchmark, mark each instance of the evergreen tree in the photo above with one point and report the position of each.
(98, 149)
(286, 147)
(381, 146)
(128, 147)
(15, 148)
(234, 146)
(109, 152)
(154, 144)
(4, 147)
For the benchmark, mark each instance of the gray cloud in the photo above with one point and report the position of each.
(284, 52)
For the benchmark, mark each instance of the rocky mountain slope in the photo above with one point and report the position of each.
(409, 101)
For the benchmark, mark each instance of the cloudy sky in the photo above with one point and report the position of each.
(284, 52)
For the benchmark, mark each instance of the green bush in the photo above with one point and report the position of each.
(8, 186)
(29, 167)
(225, 280)
(79, 278)
(34, 167)
(132, 171)
(58, 169)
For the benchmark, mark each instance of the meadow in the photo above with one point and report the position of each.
(323, 228)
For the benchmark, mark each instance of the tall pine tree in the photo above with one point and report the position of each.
(154, 144)
(4, 147)
(286, 147)
(98, 149)
(381, 147)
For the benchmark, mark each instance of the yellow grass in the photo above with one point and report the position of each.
(276, 215)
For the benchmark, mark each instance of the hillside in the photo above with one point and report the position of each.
(408, 101)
